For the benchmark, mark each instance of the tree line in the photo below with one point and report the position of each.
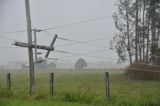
(138, 29)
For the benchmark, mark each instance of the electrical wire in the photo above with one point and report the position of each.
(78, 42)
(8, 47)
(77, 23)
(83, 54)
(58, 59)
(81, 42)
(8, 38)
(12, 32)
(62, 26)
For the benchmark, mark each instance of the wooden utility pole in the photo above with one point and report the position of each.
(31, 63)
(30, 46)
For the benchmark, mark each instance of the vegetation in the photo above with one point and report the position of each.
(79, 88)
(80, 64)
(139, 71)
(137, 24)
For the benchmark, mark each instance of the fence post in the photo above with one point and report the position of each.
(107, 84)
(51, 83)
(9, 82)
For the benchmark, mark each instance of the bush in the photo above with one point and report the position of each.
(141, 71)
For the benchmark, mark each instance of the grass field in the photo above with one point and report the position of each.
(79, 88)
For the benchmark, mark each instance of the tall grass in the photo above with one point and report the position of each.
(79, 88)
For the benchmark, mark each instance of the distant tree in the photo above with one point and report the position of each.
(80, 64)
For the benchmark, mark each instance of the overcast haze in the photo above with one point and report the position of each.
(53, 13)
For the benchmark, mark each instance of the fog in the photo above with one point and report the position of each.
(52, 14)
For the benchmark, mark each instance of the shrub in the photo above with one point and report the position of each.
(141, 71)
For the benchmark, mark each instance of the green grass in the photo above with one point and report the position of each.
(79, 88)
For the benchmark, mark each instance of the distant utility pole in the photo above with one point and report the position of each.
(31, 63)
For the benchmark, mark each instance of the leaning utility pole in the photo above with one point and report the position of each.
(31, 63)
(30, 46)
(52, 43)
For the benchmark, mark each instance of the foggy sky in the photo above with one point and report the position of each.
(52, 13)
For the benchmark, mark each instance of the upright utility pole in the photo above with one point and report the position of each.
(31, 63)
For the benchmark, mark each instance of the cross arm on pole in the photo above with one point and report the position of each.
(21, 44)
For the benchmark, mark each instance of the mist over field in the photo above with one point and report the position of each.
(59, 13)
(79, 53)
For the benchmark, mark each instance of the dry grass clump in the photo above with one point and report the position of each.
(140, 71)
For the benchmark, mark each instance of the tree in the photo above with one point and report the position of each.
(124, 22)
(80, 64)
(136, 32)
(152, 17)
(138, 25)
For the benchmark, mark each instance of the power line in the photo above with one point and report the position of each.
(75, 41)
(77, 23)
(62, 26)
(48, 33)
(58, 59)
(8, 38)
(7, 47)
(82, 42)
(12, 32)
(83, 54)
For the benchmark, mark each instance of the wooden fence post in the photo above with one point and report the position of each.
(51, 83)
(9, 82)
(107, 84)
